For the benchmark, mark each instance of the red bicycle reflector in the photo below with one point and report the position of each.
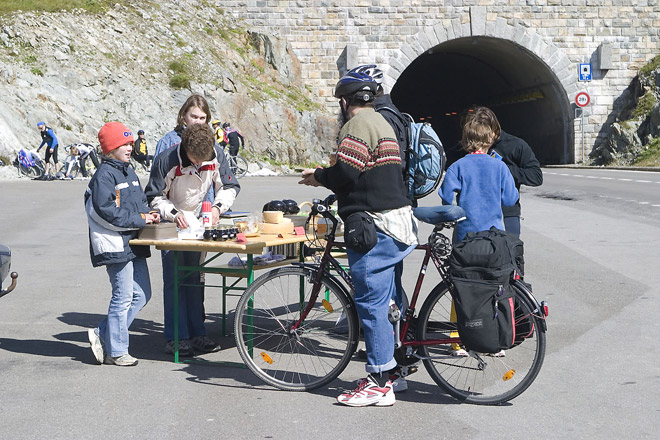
(546, 311)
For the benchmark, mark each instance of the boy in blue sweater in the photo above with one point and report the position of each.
(480, 183)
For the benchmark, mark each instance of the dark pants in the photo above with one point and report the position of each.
(512, 225)
(144, 159)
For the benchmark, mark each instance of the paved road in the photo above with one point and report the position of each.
(596, 267)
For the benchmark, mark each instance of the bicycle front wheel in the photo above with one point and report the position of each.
(304, 358)
(239, 167)
(481, 378)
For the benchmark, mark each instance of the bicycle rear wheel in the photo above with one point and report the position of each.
(308, 357)
(239, 166)
(481, 378)
(29, 171)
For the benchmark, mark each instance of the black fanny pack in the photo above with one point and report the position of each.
(360, 232)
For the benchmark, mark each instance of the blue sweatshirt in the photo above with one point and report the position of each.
(482, 185)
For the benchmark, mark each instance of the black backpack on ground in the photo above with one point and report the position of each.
(481, 268)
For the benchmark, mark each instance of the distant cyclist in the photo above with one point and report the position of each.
(220, 136)
(81, 152)
(234, 139)
(49, 139)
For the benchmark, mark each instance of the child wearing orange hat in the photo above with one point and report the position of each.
(116, 209)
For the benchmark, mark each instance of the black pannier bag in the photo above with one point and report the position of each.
(481, 268)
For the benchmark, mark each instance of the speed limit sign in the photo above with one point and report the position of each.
(582, 99)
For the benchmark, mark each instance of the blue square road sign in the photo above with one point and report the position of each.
(584, 74)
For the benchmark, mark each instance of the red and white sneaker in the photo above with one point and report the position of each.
(368, 393)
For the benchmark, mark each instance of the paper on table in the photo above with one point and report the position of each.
(195, 229)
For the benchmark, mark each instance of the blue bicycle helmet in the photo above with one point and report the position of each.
(354, 81)
(372, 70)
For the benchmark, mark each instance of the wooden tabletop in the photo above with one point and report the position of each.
(254, 245)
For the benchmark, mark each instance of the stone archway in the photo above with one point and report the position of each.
(444, 69)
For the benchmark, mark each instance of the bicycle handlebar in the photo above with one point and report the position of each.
(322, 207)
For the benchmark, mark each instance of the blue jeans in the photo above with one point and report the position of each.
(131, 290)
(376, 281)
(191, 296)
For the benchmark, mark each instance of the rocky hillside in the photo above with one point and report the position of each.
(137, 64)
(635, 135)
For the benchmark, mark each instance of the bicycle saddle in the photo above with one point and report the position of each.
(439, 214)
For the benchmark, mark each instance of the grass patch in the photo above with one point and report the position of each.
(650, 66)
(644, 105)
(649, 157)
(180, 81)
(178, 67)
(180, 78)
(37, 71)
(301, 102)
(91, 6)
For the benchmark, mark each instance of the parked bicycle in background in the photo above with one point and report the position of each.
(81, 159)
(29, 163)
(237, 164)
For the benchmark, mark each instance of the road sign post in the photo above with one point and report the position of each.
(582, 100)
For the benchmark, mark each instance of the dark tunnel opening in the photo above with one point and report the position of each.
(520, 88)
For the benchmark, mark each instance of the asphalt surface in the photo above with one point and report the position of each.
(595, 266)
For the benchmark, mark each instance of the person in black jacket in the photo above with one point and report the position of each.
(519, 157)
(525, 169)
(234, 139)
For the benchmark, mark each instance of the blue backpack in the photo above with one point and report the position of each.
(426, 160)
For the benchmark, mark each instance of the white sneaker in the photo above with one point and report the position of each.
(369, 393)
(95, 344)
(499, 354)
(125, 360)
(457, 351)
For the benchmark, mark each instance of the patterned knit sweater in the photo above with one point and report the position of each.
(367, 175)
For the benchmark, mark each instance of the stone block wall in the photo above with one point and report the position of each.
(563, 33)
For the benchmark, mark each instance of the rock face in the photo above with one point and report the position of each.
(137, 65)
(638, 123)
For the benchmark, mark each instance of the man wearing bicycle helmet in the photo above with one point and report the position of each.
(367, 181)
(49, 139)
(234, 139)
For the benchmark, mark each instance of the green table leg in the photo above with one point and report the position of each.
(176, 306)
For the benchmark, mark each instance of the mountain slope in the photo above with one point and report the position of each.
(138, 63)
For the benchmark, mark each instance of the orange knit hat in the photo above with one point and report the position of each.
(113, 135)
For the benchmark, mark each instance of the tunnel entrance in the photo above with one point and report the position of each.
(517, 85)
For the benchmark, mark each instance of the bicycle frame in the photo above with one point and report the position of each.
(322, 269)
